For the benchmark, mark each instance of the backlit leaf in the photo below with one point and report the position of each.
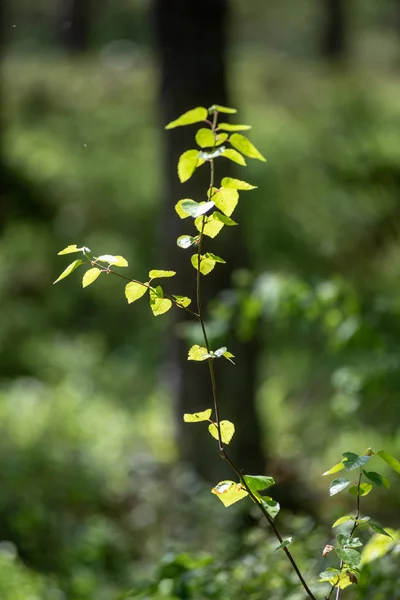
(378, 479)
(195, 115)
(90, 276)
(236, 184)
(390, 460)
(234, 156)
(228, 355)
(185, 241)
(74, 265)
(197, 352)
(156, 273)
(221, 138)
(334, 469)
(258, 483)
(179, 210)
(284, 544)
(378, 546)
(70, 249)
(212, 226)
(197, 417)
(205, 138)
(271, 506)
(241, 143)
(134, 291)
(222, 109)
(182, 300)
(376, 527)
(159, 305)
(365, 489)
(116, 261)
(195, 209)
(342, 520)
(188, 163)
(229, 492)
(227, 430)
(349, 556)
(340, 579)
(223, 218)
(226, 200)
(231, 127)
(338, 485)
(206, 264)
(214, 257)
(350, 542)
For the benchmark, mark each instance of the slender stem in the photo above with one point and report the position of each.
(221, 447)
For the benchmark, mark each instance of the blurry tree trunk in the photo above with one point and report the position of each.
(191, 45)
(334, 30)
(73, 25)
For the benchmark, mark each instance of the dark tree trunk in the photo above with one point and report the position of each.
(73, 25)
(334, 31)
(191, 45)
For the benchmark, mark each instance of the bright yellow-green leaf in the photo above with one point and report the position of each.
(195, 209)
(205, 138)
(227, 431)
(206, 264)
(182, 300)
(197, 417)
(70, 249)
(74, 265)
(188, 163)
(195, 115)
(155, 273)
(221, 138)
(334, 469)
(229, 492)
(231, 127)
(342, 520)
(222, 109)
(235, 156)
(116, 261)
(379, 545)
(212, 226)
(236, 184)
(365, 489)
(241, 143)
(390, 460)
(90, 276)
(340, 579)
(198, 353)
(180, 211)
(158, 304)
(226, 200)
(134, 291)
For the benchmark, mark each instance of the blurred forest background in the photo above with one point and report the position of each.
(101, 489)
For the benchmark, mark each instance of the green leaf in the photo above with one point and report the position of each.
(212, 226)
(236, 184)
(226, 200)
(70, 249)
(390, 460)
(185, 241)
(229, 356)
(331, 575)
(221, 138)
(342, 520)
(206, 264)
(229, 492)
(188, 162)
(365, 489)
(214, 257)
(284, 544)
(115, 261)
(376, 527)
(349, 556)
(258, 483)
(179, 210)
(195, 115)
(217, 216)
(378, 546)
(338, 485)
(241, 143)
(205, 138)
(220, 352)
(353, 461)
(231, 127)
(334, 469)
(378, 479)
(222, 109)
(346, 540)
(158, 304)
(156, 273)
(198, 353)
(195, 209)
(227, 430)
(271, 506)
(197, 417)
(234, 156)
(74, 265)
(134, 291)
(90, 276)
(182, 300)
